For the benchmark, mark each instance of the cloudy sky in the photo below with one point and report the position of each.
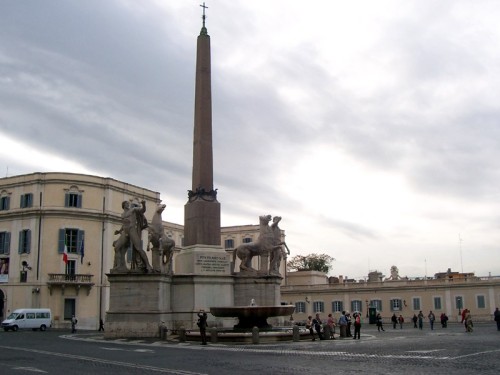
(371, 127)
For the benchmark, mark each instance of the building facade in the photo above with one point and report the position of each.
(41, 214)
(312, 292)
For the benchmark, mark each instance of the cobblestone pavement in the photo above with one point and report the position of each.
(394, 351)
(407, 351)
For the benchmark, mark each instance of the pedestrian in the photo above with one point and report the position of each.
(331, 324)
(309, 326)
(349, 323)
(464, 316)
(202, 323)
(420, 320)
(317, 326)
(401, 320)
(444, 320)
(415, 320)
(74, 322)
(380, 325)
(101, 325)
(357, 325)
(496, 314)
(468, 322)
(432, 318)
(394, 320)
(343, 324)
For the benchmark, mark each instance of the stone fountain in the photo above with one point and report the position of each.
(252, 316)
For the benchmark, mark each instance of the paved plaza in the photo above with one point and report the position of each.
(395, 351)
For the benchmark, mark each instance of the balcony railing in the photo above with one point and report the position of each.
(63, 281)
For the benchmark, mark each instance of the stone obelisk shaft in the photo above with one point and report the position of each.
(202, 212)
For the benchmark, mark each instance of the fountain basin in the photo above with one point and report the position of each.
(252, 316)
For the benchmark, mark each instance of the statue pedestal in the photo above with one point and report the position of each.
(138, 304)
(265, 290)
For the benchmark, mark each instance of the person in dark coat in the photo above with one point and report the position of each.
(202, 323)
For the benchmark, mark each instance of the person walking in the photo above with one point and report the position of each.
(394, 320)
(357, 325)
(380, 325)
(202, 323)
(401, 320)
(343, 325)
(349, 323)
(415, 320)
(420, 320)
(468, 322)
(101, 325)
(444, 320)
(317, 326)
(432, 318)
(331, 324)
(309, 326)
(496, 314)
(74, 322)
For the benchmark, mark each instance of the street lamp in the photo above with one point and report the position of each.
(366, 308)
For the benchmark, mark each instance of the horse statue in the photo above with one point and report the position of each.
(263, 246)
(162, 245)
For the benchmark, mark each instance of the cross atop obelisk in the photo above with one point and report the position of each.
(202, 211)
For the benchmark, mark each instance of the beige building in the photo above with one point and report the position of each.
(448, 292)
(41, 212)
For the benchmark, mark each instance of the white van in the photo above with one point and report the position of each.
(28, 318)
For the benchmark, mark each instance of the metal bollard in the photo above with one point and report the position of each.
(255, 335)
(213, 335)
(182, 334)
(163, 333)
(296, 333)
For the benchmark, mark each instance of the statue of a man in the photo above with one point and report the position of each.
(133, 222)
(277, 250)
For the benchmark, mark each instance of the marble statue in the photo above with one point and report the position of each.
(394, 274)
(162, 245)
(263, 246)
(277, 253)
(133, 223)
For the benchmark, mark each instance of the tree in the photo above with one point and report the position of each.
(311, 262)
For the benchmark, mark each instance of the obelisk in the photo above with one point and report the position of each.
(202, 211)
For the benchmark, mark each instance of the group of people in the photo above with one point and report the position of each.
(327, 331)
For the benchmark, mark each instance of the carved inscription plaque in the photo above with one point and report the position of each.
(212, 264)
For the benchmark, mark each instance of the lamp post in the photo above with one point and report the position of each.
(367, 308)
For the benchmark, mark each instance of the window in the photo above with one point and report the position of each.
(4, 243)
(26, 200)
(229, 244)
(481, 303)
(24, 241)
(376, 303)
(300, 307)
(4, 203)
(396, 304)
(318, 307)
(71, 238)
(356, 305)
(247, 240)
(69, 308)
(416, 303)
(73, 200)
(30, 315)
(337, 306)
(437, 303)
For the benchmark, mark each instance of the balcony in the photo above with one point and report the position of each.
(63, 281)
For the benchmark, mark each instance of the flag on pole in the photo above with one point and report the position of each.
(82, 250)
(65, 252)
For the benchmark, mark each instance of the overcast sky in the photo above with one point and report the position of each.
(371, 127)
